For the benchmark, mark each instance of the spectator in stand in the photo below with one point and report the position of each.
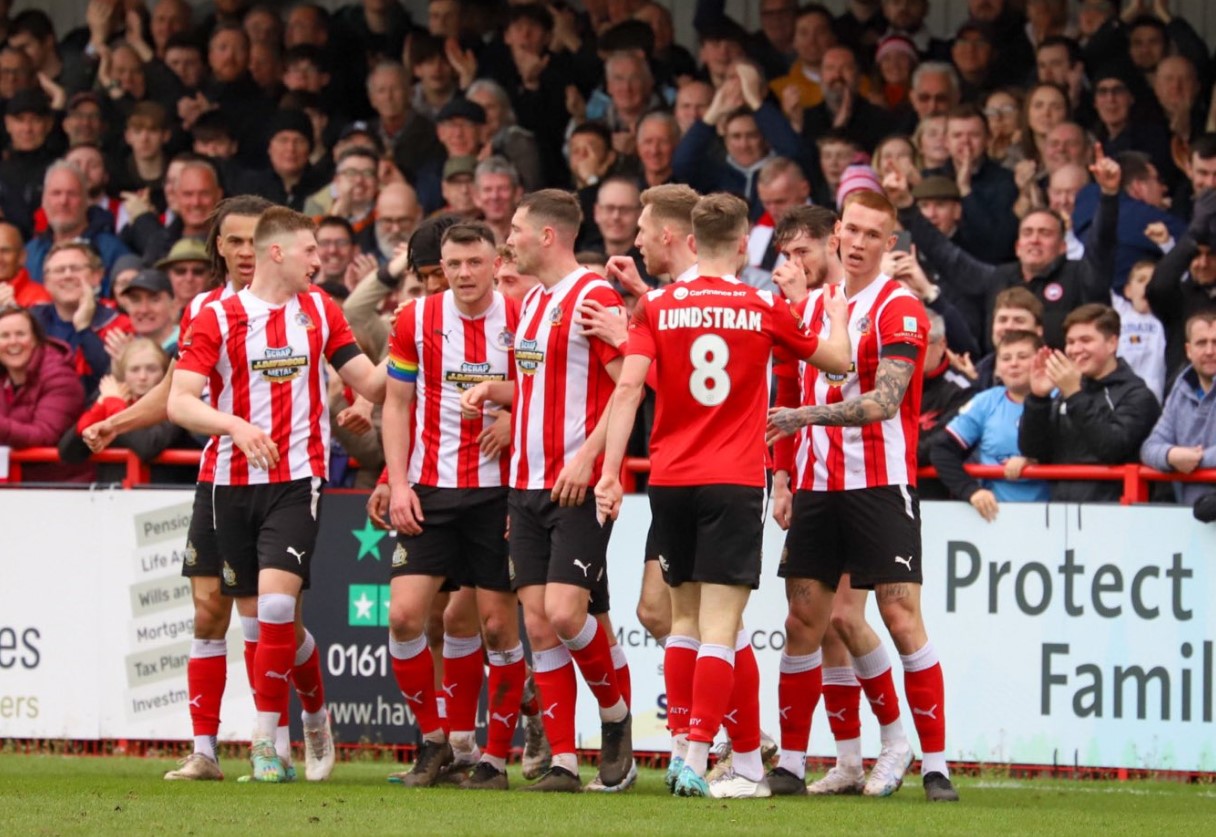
(692, 100)
(397, 215)
(169, 18)
(64, 200)
(1143, 201)
(630, 91)
(458, 191)
(1063, 187)
(935, 90)
(988, 189)
(1142, 337)
(496, 193)
(658, 135)
(146, 134)
(125, 269)
(151, 308)
(1184, 281)
(84, 122)
(775, 45)
(944, 393)
(1001, 109)
(1184, 439)
(291, 178)
(1116, 128)
(33, 32)
(1067, 144)
(844, 108)
(836, 153)
(1200, 168)
(353, 192)
(32, 146)
(436, 80)
(337, 250)
(1086, 406)
(104, 211)
(907, 18)
(196, 193)
(503, 136)
(141, 365)
(1046, 107)
(509, 281)
(189, 270)
(1041, 267)
(1058, 62)
(671, 61)
(895, 60)
(1015, 309)
(409, 136)
(16, 72)
(460, 125)
(985, 431)
(1154, 33)
(750, 124)
(40, 393)
(813, 35)
(1176, 87)
(618, 205)
(781, 186)
(593, 159)
(972, 53)
(232, 89)
(16, 287)
(94, 331)
(904, 267)
(723, 44)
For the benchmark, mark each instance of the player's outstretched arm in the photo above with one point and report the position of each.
(621, 412)
(147, 411)
(835, 353)
(364, 377)
(878, 404)
(187, 409)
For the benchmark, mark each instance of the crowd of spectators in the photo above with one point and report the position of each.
(1054, 163)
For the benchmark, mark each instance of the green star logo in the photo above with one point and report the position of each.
(369, 538)
(363, 600)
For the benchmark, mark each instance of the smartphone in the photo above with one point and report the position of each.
(903, 242)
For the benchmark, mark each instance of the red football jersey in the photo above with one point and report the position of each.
(712, 339)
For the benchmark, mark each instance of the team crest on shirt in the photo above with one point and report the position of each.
(304, 321)
(835, 379)
(229, 575)
(555, 315)
(505, 339)
(400, 556)
(529, 356)
(863, 324)
(280, 365)
(191, 556)
(471, 374)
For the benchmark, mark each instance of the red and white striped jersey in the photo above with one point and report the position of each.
(709, 337)
(562, 384)
(443, 353)
(885, 320)
(199, 302)
(266, 364)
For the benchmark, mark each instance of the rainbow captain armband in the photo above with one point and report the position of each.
(402, 370)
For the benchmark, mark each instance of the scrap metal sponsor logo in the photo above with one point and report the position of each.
(280, 365)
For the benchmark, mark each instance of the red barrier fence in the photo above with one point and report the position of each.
(1135, 477)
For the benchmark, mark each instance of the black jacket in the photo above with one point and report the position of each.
(1174, 295)
(988, 225)
(973, 285)
(1103, 424)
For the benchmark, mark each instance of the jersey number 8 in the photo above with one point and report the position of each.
(709, 383)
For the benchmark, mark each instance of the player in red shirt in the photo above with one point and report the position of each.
(707, 337)
(558, 561)
(262, 353)
(449, 506)
(806, 235)
(856, 509)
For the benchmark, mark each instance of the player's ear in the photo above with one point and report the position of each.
(692, 243)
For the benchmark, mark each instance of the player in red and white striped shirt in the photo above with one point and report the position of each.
(856, 509)
(262, 353)
(449, 506)
(564, 379)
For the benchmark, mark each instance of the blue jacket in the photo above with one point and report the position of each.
(107, 245)
(1189, 419)
(1134, 216)
(694, 164)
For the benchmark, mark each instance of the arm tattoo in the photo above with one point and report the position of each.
(880, 403)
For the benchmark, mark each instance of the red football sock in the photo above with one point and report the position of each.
(414, 670)
(593, 656)
(463, 675)
(251, 650)
(558, 691)
(880, 692)
(272, 665)
(742, 721)
(307, 678)
(926, 691)
(506, 685)
(712, 686)
(841, 702)
(531, 706)
(623, 680)
(799, 686)
(679, 666)
(205, 680)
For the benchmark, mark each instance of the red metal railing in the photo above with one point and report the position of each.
(1135, 477)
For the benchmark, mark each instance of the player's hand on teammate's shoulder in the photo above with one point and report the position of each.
(608, 324)
(625, 271)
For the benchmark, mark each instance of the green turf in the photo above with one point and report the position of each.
(118, 795)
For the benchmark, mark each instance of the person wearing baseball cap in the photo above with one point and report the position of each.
(460, 126)
(28, 122)
(458, 184)
(149, 301)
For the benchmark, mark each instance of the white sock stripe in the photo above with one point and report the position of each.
(618, 657)
(276, 608)
(455, 647)
(306, 648)
(839, 676)
(801, 663)
(510, 656)
(925, 657)
(201, 649)
(873, 664)
(677, 641)
(551, 659)
(741, 640)
(250, 628)
(409, 649)
(584, 636)
(721, 652)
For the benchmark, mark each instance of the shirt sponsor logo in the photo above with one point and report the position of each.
(529, 356)
(280, 365)
(835, 379)
(471, 374)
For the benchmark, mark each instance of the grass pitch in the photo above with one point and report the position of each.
(48, 795)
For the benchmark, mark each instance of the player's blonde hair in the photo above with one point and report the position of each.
(671, 203)
(718, 222)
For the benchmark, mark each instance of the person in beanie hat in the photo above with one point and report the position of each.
(291, 178)
(894, 61)
(857, 177)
